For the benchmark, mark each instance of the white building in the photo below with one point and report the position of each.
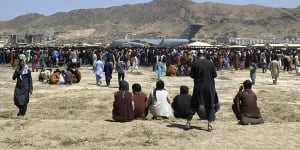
(2, 43)
(251, 41)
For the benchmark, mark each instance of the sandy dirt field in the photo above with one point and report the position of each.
(78, 116)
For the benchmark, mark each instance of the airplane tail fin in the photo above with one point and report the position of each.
(162, 41)
(190, 32)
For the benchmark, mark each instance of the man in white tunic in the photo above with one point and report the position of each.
(274, 67)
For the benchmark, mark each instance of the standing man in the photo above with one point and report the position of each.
(23, 88)
(42, 60)
(12, 58)
(253, 68)
(274, 68)
(26, 54)
(297, 64)
(81, 57)
(235, 61)
(159, 69)
(98, 69)
(73, 58)
(134, 63)
(204, 98)
(108, 69)
(55, 56)
(296, 61)
(263, 62)
(110, 57)
(3, 57)
(94, 57)
(120, 67)
(34, 63)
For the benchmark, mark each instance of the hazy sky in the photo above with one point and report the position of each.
(13, 8)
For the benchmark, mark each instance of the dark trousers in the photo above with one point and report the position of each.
(121, 76)
(22, 110)
(107, 81)
(203, 113)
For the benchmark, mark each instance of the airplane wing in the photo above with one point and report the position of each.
(136, 44)
(127, 42)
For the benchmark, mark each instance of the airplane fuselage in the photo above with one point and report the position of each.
(184, 38)
(149, 42)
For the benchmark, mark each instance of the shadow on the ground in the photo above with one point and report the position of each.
(266, 83)
(102, 85)
(182, 126)
(111, 120)
(115, 87)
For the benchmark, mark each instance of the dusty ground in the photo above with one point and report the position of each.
(78, 116)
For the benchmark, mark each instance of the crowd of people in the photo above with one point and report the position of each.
(200, 64)
(168, 61)
(173, 61)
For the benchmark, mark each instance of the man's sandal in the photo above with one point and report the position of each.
(209, 128)
(187, 126)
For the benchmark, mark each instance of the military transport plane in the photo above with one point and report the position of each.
(184, 38)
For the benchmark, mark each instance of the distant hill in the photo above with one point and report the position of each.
(161, 18)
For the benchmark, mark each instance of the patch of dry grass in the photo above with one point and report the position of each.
(13, 142)
(78, 116)
(279, 113)
(6, 114)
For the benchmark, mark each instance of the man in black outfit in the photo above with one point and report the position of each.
(23, 88)
(204, 99)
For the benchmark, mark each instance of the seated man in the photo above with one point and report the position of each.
(123, 104)
(186, 70)
(68, 76)
(245, 106)
(181, 103)
(62, 78)
(54, 77)
(171, 71)
(140, 102)
(76, 75)
(45, 75)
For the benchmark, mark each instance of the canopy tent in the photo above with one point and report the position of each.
(294, 45)
(278, 45)
(270, 45)
(258, 45)
(237, 46)
(199, 44)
